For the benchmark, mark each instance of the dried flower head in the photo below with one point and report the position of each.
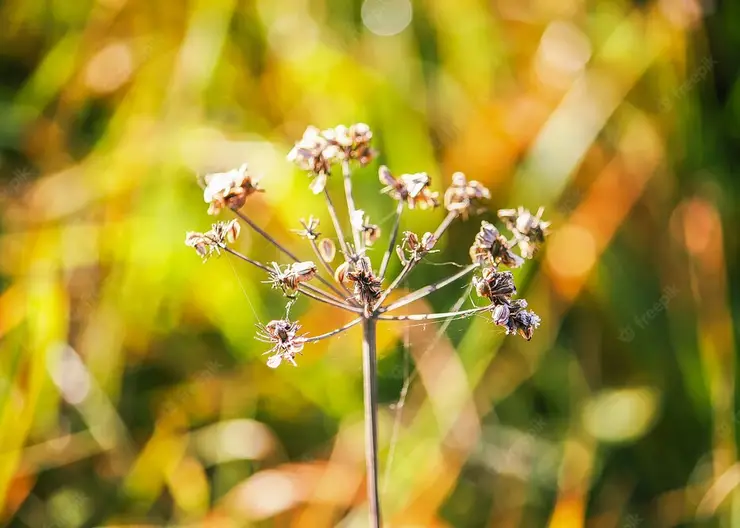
(529, 230)
(464, 197)
(361, 223)
(516, 319)
(310, 228)
(221, 233)
(288, 279)
(352, 143)
(492, 248)
(366, 286)
(285, 340)
(413, 248)
(411, 188)
(314, 153)
(497, 286)
(229, 189)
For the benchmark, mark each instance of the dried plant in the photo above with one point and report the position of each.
(354, 285)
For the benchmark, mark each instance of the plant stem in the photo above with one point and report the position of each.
(337, 224)
(280, 247)
(392, 242)
(330, 270)
(347, 173)
(443, 226)
(349, 325)
(432, 316)
(423, 292)
(370, 393)
(405, 271)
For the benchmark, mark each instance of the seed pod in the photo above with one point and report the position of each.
(341, 272)
(232, 231)
(327, 249)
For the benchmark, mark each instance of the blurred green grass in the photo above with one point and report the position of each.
(132, 391)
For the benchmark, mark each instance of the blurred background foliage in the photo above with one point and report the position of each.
(132, 391)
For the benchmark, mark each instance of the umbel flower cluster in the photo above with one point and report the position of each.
(353, 283)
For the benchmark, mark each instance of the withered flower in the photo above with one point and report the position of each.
(366, 285)
(361, 223)
(413, 249)
(309, 230)
(529, 230)
(229, 189)
(353, 143)
(314, 153)
(411, 188)
(490, 247)
(285, 340)
(517, 319)
(464, 196)
(292, 276)
(221, 233)
(497, 286)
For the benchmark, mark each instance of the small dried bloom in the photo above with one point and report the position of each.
(285, 340)
(497, 286)
(327, 249)
(229, 189)
(221, 233)
(490, 247)
(366, 285)
(309, 230)
(411, 188)
(519, 319)
(413, 249)
(529, 230)
(314, 153)
(464, 196)
(290, 278)
(352, 143)
(361, 223)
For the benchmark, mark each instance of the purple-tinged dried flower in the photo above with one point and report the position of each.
(411, 188)
(361, 223)
(290, 278)
(500, 314)
(413, 249)
(286, 343)
(520, 320)
(327, 249)
(490, 247)
(314, 153)
(366, 285)
(229, 189)
(529, 230)
(221, 233)
(497, 286)
(464, 196)
(353, 143)
(309, 230)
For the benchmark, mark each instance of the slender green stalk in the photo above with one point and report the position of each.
(391, 242)
(349, 325)
(432, 316)
(370, 393)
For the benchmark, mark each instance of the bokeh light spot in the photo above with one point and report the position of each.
(572, 251)
(620, 415)
(109, 68)
(386, 17)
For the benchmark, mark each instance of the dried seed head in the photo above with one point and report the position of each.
(413, 248)
(327, 249)
(360, 222)
(492, 248)
(285, 340)
(292, 276)
(221, 233)
(464, 196)
(352, 143)
(367, 288)
(529, 230)
(497, 286)
(314, 153)
(310, 228)
(520, 320)
(229, 189)
(411, 188)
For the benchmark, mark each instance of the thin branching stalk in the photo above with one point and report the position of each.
(444, 225)
(370, 393)
(330, 270)
(391, 242)
(402, 275)
(246, 258)
(432, 316)
(319, 337)
(347, 173)
(423, 292)
(337, 224)
(282, 248)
